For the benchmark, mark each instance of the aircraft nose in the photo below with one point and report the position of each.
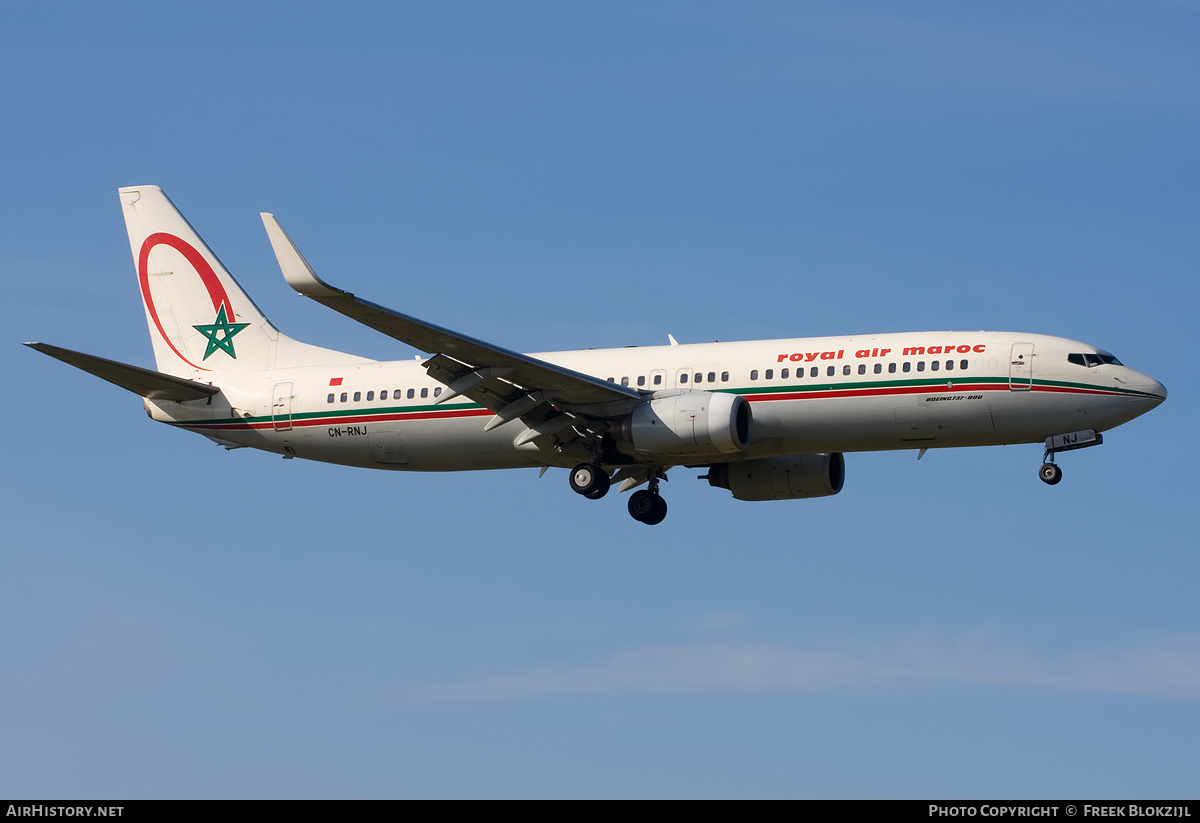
(1147, 385)
(1156, 388)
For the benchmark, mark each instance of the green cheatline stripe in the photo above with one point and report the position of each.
(383, 410)
(1114, 389)
(869, 384)
(926, 381)
(359, 412)
(795, 388)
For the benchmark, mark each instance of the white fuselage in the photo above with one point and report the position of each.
(808, 395)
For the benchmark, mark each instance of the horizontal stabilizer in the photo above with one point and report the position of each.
(144, 382)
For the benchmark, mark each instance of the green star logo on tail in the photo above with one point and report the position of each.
(220, 334)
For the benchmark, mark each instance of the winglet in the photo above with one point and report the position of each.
(295, 268)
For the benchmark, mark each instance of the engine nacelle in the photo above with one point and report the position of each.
(689, 423)
(781, 478)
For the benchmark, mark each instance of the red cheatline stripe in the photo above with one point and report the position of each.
(964, 388)
(340, 421)
(1071, 390)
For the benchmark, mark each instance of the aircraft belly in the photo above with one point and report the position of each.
(1023, 417)
(873, 423)
(943, 418)
(454, 445)
(808, 426)
(387, 448)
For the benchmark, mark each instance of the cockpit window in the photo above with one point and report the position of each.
(1090, 360)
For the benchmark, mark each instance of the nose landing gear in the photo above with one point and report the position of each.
(1051, 474)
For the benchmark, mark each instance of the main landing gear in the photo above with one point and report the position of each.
(1048, 472)
(590, 480)
(645, 505)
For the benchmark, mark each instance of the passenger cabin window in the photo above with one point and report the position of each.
(329, 399)
(424, 392)
(641, 379)
(783, 374)
(699, 378)
(712, 377)
(846, 369)
(920, 365)
(769, 374)
(658, 379)
(683, 377)
(907, 366)
(411, 394)
(934, 366)
(357, 396)
(962, 364)
(344, 397)
(862, 368)
(891, 368)
(383, 395)
(370, 395)
(724, 377)
(624, 381)
(829, 372)
(754, 374)
(437, 392)
(879, 368)
(815, 371)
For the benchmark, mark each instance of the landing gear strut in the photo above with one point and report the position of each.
(1051, 474)
(647, 505)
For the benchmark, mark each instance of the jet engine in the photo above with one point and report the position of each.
(688, 423)
(781, 478)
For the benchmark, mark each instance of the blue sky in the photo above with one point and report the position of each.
(181, 621)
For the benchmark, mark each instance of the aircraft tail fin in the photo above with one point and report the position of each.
(201, 321)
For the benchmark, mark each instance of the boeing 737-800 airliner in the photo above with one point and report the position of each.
(767, 419)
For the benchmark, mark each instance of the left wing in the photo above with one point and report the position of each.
(548, 399)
